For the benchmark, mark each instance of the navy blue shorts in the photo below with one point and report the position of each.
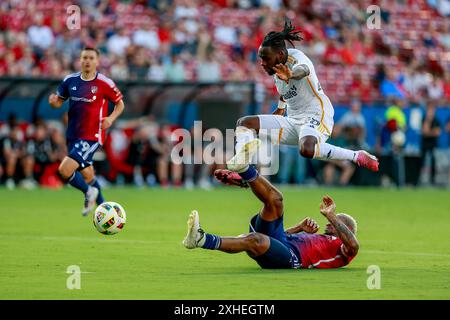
(82, 151)
(279, 255)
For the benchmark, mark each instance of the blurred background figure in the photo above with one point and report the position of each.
(168, 172)
(18, 158)
(353, 126)
(292, 167)
(431, 130)
(346, 168)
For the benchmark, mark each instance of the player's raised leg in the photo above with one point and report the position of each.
(311, 148)
(261, 187)
(68, 172)
(247, 129)
(89, 176)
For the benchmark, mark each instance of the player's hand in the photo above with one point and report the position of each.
(327, 207)
(106, 123)
(308, 225)
(283, 72)
(53, 100)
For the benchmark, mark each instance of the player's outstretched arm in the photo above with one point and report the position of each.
(109, 120)
(328, 209)
(307, 225)
(300, 71)
(55, 101)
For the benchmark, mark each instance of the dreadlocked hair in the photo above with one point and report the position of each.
(276, 39)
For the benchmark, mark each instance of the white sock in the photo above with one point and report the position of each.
(243, 135)
(202, 241)
(326, 151)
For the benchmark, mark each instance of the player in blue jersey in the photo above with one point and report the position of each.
(88, 93)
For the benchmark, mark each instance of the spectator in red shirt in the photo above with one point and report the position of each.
(332, 53)
(447, 86)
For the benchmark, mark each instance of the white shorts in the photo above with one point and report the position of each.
(286, 130)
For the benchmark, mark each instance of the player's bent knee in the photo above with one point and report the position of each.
(250, 122)
(307, 147)
(257, 243)
(276, 200)
(64, 172)
(88, 175)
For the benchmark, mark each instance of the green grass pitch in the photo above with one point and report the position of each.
(405, 233)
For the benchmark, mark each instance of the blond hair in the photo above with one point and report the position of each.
(349, 221)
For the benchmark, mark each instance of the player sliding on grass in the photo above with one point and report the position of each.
(88, 92)
(268, 243)
(309, 120)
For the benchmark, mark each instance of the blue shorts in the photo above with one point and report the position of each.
(279, 255)
(82, 151)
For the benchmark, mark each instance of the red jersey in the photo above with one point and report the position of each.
(319, 250)
(88, 104)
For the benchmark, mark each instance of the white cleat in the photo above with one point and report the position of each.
(28, 184)
(242, 159)
(10, 184)
(89, 200)
(195, 234)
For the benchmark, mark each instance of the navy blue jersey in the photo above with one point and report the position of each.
(88, 104)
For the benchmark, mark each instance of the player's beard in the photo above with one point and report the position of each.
(270, 72)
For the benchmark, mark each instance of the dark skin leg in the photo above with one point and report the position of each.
(255, 243)
(250, 122)
(307, 146)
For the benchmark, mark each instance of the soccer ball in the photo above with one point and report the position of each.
(398, 138)
(109, 218)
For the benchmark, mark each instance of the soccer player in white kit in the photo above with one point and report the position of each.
(309, 121)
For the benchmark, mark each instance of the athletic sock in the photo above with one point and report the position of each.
(210, 241)
(100, 199)
(250, 174)
(326, 151)
(77, 181)
(243, 135)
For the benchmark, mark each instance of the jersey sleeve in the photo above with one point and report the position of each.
(298, 58)
(347, 258)
(336, 247)
(112, 93)
(63, 90)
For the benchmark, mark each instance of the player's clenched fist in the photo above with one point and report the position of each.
(327, 207)
(53, 100)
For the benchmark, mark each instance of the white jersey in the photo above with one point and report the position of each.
(304, 97)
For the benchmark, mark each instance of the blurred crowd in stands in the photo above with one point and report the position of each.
(405, 62)
(193, 40)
